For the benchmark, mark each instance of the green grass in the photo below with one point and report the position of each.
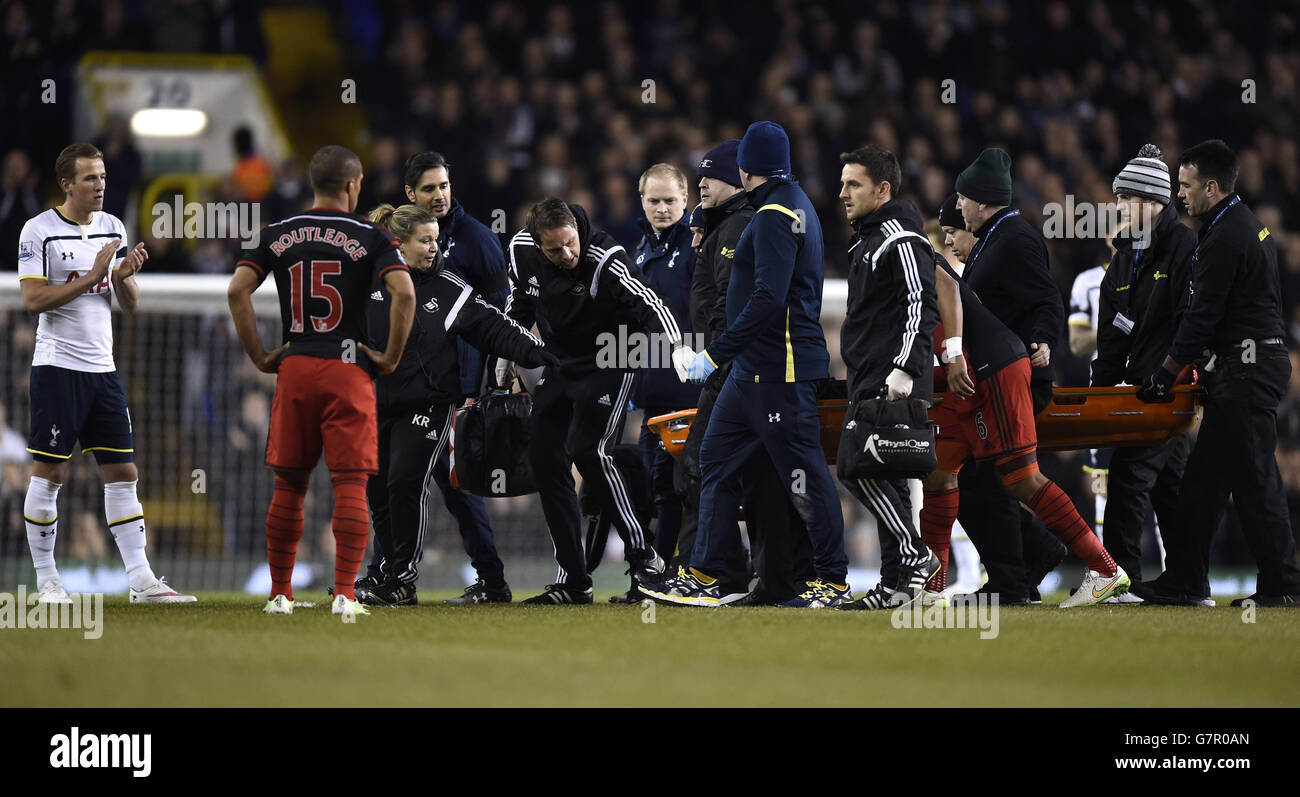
(224, 652)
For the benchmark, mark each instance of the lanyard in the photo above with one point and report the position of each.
(989, 235)
(1210, 226)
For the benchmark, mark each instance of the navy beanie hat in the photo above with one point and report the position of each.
(720, 163)
(765, 150)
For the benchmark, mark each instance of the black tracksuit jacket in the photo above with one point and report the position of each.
(723, 225)
(892, 308)
(1236, 296)
(1149, 287)
(1009, 271)
(578, 310)
(446, 308)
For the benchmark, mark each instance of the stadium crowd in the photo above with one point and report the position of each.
(527, 101)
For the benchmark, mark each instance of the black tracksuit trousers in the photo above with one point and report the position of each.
(1234, 455)
(577, 420)
(1140, 479)
(399, 494)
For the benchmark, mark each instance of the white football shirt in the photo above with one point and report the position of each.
(1085, 299)
(78, 335)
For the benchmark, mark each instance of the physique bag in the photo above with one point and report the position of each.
(489, 446)
(887, 440)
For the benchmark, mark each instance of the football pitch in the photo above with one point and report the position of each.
(224, 652)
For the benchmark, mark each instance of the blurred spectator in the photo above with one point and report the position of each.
(383, 175)
(13, 446)
(166, 255)
(253, 175)
(15, 471)
(178, 26)
(117, 31)
(291, 194)
(18, 200)
(122, 163)
(88, 541)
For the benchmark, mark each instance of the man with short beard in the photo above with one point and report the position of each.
(579, 286)
(886, 343)
(1235, 321)
(472, 252)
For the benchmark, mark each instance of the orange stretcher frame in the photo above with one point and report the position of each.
(1076, 418)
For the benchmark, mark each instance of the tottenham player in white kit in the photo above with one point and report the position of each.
(1085, 304)
(72, 259)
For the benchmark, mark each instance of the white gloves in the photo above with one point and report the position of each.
(899, 384)
(505, 372)
(682, 357)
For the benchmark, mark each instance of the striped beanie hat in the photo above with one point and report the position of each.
(1144, 176)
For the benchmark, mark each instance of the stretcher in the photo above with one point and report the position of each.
(1076, 418)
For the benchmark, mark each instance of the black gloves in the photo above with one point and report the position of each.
(1158, 387)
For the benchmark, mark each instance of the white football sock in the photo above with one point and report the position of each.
(41, 514)
(126, 521)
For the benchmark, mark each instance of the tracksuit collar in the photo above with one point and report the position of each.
(449, 221)
(1164, 220)
(993, 220)
(1209, 215)
(713, 216)
(760, 194)
(903, 210)
(668, 238)
(420, 276)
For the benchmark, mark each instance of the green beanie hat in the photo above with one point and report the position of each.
(988, 179)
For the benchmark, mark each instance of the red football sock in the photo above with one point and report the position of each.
(1057, 512)
(937, 516)
(283, 530)
(351, 524)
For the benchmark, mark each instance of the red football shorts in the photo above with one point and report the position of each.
(995, 422)
(323, 403)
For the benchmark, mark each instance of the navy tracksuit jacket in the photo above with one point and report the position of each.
(775, 339)
(668, 263)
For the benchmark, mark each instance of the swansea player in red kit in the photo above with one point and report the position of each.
(988, 414)
(324, 261)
